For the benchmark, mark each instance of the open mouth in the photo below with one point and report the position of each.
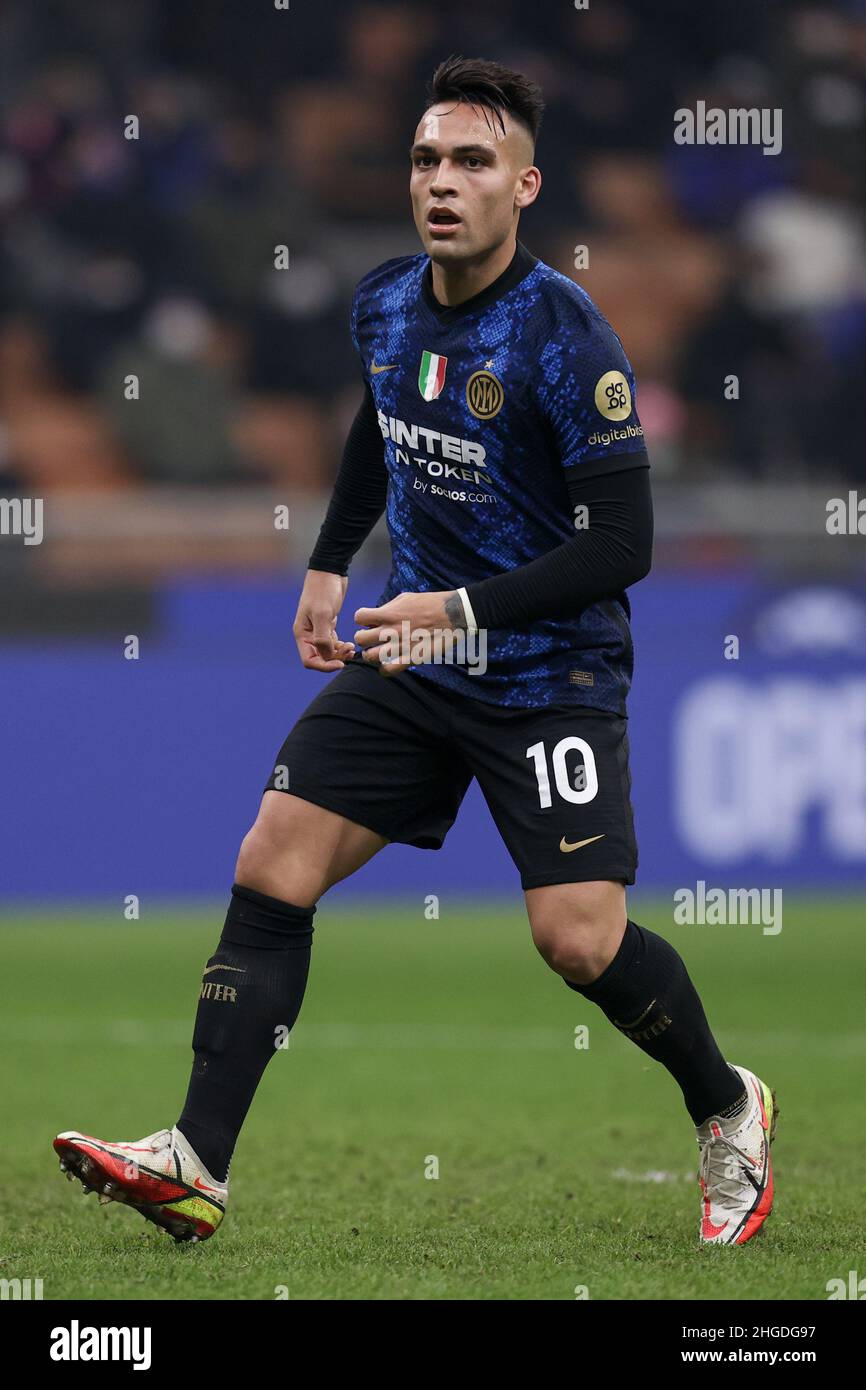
(441, 217)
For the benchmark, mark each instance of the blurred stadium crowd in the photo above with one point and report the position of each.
(261, 127)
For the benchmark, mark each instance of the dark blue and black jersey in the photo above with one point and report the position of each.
(486, 410)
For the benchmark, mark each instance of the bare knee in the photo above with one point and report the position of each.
(256, 859)
(577, 927)
(296, 850)
(276, 857)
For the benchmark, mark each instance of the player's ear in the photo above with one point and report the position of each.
(528, 187)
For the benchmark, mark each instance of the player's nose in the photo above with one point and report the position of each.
(443, 182)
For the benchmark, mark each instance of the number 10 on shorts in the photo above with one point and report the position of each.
(586, 782)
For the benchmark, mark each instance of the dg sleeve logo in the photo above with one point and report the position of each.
(613, 396)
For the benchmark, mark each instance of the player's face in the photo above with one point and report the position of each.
(468, 181)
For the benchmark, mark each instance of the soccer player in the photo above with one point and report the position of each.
(499, 429)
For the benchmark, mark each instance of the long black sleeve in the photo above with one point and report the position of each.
(598, 562)
(359, 495)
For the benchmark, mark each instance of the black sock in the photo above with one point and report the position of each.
(252, 986)
(647, 994)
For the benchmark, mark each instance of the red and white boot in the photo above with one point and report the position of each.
(159, 1176)
(736, 1172)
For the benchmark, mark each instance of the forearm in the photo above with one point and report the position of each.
(612, 552)
(359, 496)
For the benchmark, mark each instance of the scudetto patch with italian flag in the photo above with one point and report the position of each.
(431, 377)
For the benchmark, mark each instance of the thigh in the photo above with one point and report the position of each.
(375, 750)
(558, 786)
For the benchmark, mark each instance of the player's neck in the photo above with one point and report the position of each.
(453, 284)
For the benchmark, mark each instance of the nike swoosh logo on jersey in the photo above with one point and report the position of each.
(375, 370)
(239, 969)
(578, 844)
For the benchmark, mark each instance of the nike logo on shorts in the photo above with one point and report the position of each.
(578, 844)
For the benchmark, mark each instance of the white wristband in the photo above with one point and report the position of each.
(471, 625)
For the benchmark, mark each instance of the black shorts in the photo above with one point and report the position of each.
(397, 753)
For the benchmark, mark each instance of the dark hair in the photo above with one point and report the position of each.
(485, 83)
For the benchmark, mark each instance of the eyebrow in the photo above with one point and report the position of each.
(483, 151)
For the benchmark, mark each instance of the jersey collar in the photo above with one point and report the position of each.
(521, 263)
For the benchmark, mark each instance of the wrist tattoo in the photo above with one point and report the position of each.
(454, 612)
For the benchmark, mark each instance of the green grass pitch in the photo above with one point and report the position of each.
(559, 1167)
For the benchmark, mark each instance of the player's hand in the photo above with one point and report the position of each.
(319, 647)
(391, 635)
